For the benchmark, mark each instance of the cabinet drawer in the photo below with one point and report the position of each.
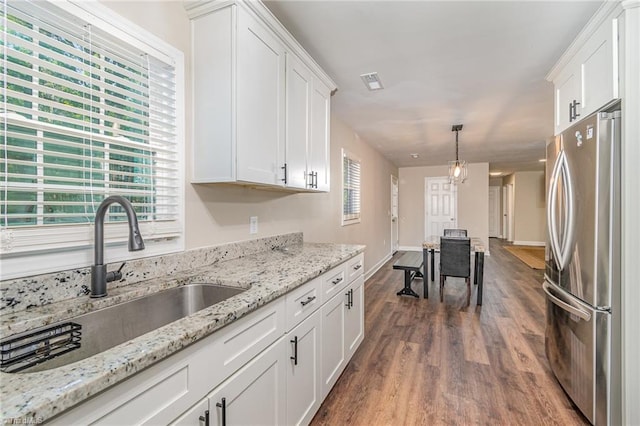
(355, 267)
(303, 301)
(334, 281)
(242, 340)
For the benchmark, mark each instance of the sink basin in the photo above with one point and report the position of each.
(89, 334)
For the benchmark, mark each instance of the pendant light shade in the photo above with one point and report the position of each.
(457, 168)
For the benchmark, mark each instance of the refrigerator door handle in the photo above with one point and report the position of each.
(585, 315)
(551, 208)
(561, 249)
(569, 221)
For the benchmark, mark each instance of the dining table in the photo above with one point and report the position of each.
(432, 245)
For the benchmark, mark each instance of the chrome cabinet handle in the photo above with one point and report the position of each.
(309, 300)
(205, 418)
(223, 405)
(295, 350)
(349, 295)
(585, 315)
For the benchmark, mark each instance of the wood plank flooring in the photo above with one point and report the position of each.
(423, 362)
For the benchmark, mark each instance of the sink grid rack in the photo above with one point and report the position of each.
(26, 350)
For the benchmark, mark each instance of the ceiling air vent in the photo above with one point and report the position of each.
(372, 81)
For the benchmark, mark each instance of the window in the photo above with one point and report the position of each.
(88, 109)
(350, 189)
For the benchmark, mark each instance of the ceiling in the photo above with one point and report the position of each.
(479, 63)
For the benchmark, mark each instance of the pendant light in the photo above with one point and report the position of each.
(457, 168)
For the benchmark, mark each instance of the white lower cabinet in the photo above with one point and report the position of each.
(333, 356)
(252, 396)
(354, 317)
(304, 386)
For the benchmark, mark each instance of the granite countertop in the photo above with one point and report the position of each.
(267, 275)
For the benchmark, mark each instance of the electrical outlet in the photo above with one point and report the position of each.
(253, 225)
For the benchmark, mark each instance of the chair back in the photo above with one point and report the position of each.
(455, 232)
(455, 256)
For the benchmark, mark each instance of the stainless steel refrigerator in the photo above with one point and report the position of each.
(582, 273)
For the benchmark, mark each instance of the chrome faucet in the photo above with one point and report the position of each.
(99, 275)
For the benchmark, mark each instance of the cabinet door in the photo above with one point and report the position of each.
(354, 317)
(567, 91)
(298, 111)
(260, 103)
(599, 68)
(255, 394)
(319, 151)
(333, 356)
(304, 387)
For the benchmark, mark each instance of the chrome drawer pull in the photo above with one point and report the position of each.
(309, 300)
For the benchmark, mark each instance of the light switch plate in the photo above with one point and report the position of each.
(253, 225)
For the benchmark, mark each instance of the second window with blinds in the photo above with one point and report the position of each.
(350, 188)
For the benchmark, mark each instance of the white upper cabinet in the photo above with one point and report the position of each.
(586, 77)
(307, 142)
(299, 80)
(319, 150)
(261, 104)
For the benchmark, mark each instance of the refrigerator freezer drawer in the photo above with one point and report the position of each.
(578, 349)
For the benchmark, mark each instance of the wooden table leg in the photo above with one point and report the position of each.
(479, 274)
(407, 290)
(433, 255)
(425, 268)
(475, 268)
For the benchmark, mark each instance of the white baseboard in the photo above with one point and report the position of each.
(529, 243)
(376, 267)
(409, 248)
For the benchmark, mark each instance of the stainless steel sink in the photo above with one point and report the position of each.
(89, 334)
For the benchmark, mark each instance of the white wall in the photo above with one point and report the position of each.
(473, 202)
(220, 213)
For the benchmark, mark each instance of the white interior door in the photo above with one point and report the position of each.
(494, 211)
(510, 213)
(394, 214)
(440, 206)
(505, 199)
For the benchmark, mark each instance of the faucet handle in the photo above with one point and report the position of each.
(115, 275)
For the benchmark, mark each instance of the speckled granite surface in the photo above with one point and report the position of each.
(267, 274)
(24, 293)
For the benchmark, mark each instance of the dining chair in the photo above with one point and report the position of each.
(455, 261)
(455, 233)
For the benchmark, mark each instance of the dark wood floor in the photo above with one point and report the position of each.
(423, 362)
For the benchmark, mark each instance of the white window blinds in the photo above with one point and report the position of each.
(350, 189)
(84, 115)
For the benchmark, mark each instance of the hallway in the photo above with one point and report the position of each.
(424, 362)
